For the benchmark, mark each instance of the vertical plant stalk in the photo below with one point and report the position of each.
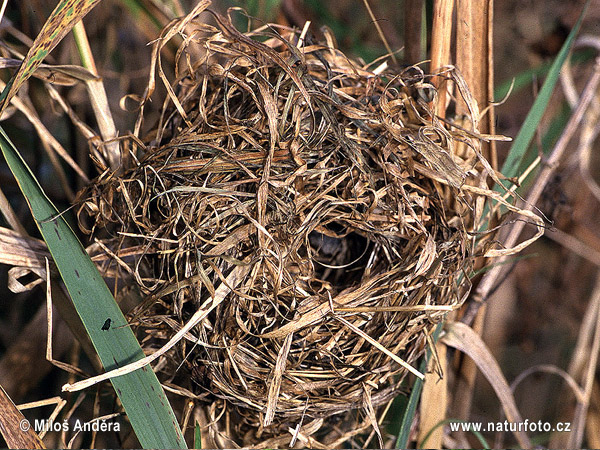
(474, 57)
(413, 19)
(434, 401)
(492, 155)
(473, 34)
(441, 35)
(409, 413)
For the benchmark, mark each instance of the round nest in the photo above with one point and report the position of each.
(306, 214)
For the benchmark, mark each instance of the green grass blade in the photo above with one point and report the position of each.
(140, 392)
(66, 14)
(138, 11)
(555, 129)
(521, 143)
(523, 79)
(415, 395)
(197, 436)
(411, 409)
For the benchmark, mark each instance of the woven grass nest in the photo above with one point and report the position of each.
(306, 217)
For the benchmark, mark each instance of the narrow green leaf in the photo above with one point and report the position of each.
(140, 392)
(523, 79)
(555, 129)
(411, 409)
(197, 436)
(415, 395)
(137, 9)
(523, 139)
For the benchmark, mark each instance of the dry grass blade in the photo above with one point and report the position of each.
(20, 367)
(47, 137)
(575, 245)
(548, 368)
(380, 347)
(15, 429)
(167, 35)
(58, 74)
(439, 159)
(589, 132)
(275, 382)
(22, 251)
(99, 101)
(463, 338)
(370, 411)
(380, 31)
(59, 405)
(592, 429)
(10, 216)
(89, 424)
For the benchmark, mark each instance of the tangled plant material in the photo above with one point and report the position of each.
(316, 211)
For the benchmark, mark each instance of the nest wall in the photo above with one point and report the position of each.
(311, 207)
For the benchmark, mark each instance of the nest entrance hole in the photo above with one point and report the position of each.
(339, 261)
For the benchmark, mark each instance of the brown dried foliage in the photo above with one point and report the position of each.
(327, 202)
